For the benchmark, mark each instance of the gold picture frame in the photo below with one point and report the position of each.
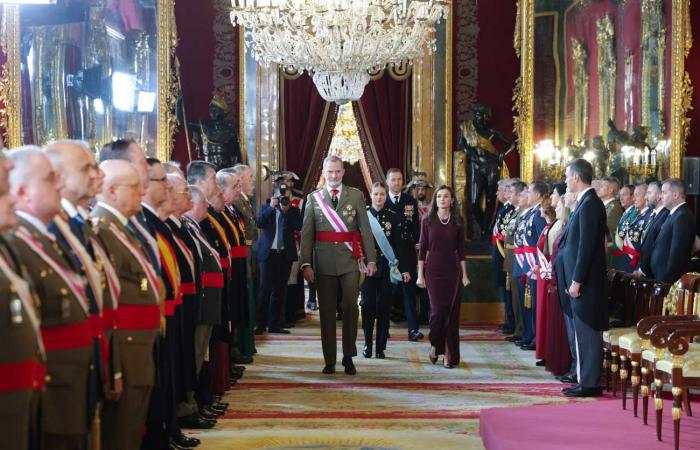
(10, 95)
(681, 89)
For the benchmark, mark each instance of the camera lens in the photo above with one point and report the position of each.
(284, 201)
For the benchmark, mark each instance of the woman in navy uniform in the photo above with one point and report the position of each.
(376, 290)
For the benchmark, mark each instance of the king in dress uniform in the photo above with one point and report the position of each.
(334, 233)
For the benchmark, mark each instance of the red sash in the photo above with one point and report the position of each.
(354, 237)
(67, 337)
(21, 376)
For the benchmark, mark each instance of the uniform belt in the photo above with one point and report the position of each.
(225, 262)
(67, 337)
(337, 237)
(239, 252)
(188, 288)
(21, 376)
(138, 317)
(497, 237)
(213, 279)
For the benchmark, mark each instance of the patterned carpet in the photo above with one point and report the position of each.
(402, 402)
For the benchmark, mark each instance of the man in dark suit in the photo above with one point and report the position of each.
(670, 257)
(657, 218)
(580, 266)
(276, 250)
(406, 207)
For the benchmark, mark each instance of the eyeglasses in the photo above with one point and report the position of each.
(185, 192)
(158, 180)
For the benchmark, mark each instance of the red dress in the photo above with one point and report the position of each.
(442, 249)
(543, 282)
(557, 356)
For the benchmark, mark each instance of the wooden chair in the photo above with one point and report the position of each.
(651, 301)
(672, 305)
(619, 292)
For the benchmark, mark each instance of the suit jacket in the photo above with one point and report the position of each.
(67, 369)
(329, 258)
(649, 240)
(581, 258)
(267, 222)
(135, 359)
(670, 257)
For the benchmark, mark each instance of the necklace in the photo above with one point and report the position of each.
(445, 222)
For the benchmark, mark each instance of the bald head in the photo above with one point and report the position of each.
(76, 163)
(122, 187)
(35, 184)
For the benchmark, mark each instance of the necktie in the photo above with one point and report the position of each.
(396, 198)
(280, 231)
(334, 198)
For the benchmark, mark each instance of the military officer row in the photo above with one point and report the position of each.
(650, 233)
(124, 296)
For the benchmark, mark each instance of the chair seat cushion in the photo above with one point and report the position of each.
(649, 355)
(631, 342)
(613, 335)
(690, 362)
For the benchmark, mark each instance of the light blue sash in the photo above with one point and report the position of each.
(394, 274)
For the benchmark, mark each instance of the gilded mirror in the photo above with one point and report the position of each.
(603, 80)
(89, 69)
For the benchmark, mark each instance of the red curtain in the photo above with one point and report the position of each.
(308, 123)
(382, 115)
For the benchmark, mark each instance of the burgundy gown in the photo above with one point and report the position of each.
(557, 356)
(542, 289)
(442, 249)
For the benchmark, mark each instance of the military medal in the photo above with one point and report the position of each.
(144, 284)
(16, 311)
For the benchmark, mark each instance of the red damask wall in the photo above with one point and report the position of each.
(499, 67)
(693, 69)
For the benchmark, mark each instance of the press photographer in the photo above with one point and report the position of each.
(276, 251)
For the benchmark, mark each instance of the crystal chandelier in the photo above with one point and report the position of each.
(346, 139)
(339, 41)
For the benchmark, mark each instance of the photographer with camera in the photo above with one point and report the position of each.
(276, 250)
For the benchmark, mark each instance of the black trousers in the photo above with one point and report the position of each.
(376, 306)
(274, 274)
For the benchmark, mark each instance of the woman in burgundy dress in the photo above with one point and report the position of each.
(557, 355)
(544, 277)
(441, 257)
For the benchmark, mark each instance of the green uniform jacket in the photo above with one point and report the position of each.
(20, 343)
(65, 403)
(329, 258)
(135, 347)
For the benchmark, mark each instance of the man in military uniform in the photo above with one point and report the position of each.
(534, 224)
(138, 312)
(419, 185)
(632, 240)
(75, 161)
(211, 284)
(404, 205)
(503, 216)
(512, 262)
(623, 252)
(334, 232)
(64, 307)
(22, 355)
(607, 190)
(245, 210)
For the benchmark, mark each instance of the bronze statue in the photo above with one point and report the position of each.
(484, 164)
(215, 137)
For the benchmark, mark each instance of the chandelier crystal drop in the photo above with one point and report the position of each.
(338, 41)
